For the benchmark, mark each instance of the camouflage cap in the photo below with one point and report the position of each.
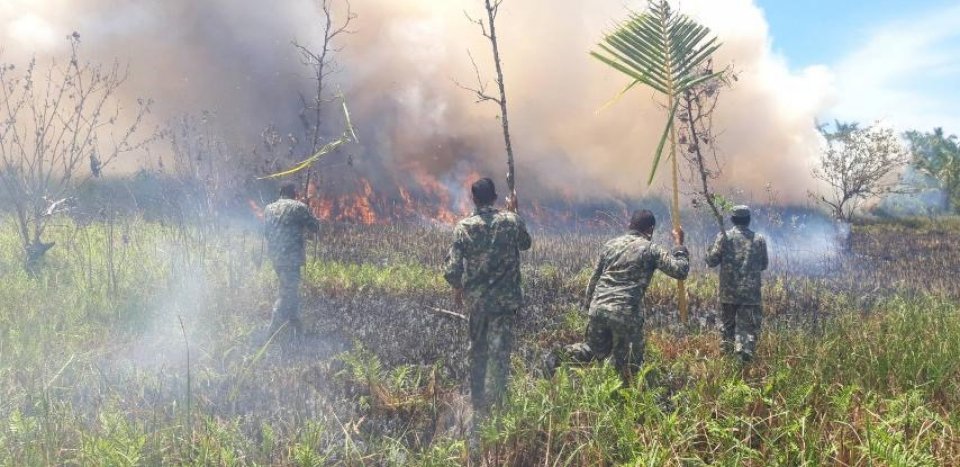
(740, 211)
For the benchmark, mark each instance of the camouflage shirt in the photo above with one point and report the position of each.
(741, 259)
(284, 223)
(624, 270)
(484, 259)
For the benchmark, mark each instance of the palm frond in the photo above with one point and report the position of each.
(662, 49)
(663, 142)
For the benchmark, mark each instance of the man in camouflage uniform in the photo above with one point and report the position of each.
(284, 224)
(483, 267)
(742, 256)
(615, 294)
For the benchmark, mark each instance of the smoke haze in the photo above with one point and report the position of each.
(234, 58)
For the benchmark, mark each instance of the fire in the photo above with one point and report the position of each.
(426, 199)
(363, 206)
(432, 188)
(358, 207)
(322, 208)
(257, 211)
(406, 198)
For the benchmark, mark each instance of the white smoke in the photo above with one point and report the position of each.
(234, 57)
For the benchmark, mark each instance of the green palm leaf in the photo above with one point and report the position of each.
(661, 49)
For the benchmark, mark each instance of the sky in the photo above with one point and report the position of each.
(897, 61)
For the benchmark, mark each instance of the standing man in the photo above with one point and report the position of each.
(742, 256)
(284, 224)
(615, 295)
(483, 267)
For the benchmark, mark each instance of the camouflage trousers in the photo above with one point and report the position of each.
(491, 342)
(620, 338)
(741, 329)
(287, 307)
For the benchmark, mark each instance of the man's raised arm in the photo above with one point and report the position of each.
(674, 263)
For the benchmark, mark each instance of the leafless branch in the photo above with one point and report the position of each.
(55, 122)
(481, 89)
(322, 62)
(698, 138)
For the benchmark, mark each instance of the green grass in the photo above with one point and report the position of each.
(332, 277)
(93, 366)
(870, 389)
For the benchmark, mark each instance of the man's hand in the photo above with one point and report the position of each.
(512, 202)
(678, 236)
(458, 298)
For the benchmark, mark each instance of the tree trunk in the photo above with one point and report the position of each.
(511, 171)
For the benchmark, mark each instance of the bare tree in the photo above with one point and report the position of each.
(488, 28)
(698, 139)
(857, 164)
(56, 122)
(322, 64)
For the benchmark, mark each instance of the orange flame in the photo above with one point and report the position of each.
(358, 207)
(427, 198)
(257, 210)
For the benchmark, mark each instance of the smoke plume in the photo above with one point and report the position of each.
(398, 71)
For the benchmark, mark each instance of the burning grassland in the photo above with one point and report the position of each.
(441, 200)
(96, 367)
